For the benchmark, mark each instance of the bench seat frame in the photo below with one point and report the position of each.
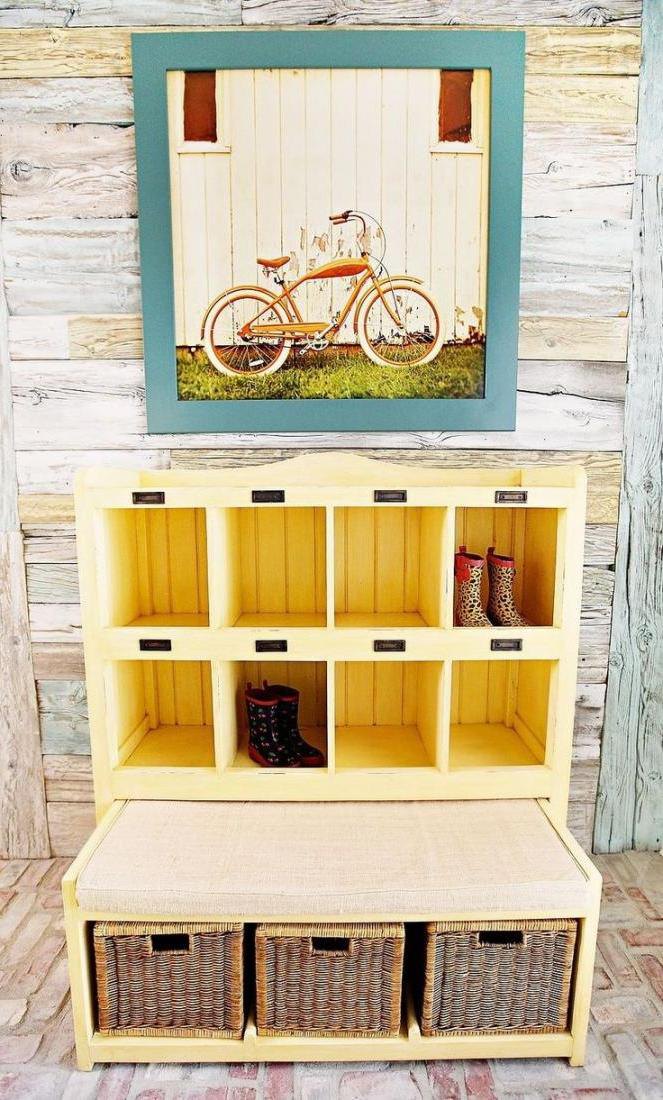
(409, 1045)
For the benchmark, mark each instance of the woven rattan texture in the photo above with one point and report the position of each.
(475, 986)
(303, 990)
(192, 992)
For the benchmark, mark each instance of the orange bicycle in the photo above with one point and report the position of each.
(249, 330)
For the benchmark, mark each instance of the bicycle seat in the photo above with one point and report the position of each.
(274, 264)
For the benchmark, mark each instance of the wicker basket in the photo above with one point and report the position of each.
(329, 979)
(169, 979)
(497, 976)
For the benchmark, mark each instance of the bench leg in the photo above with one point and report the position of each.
(79, 976)
(584, 975)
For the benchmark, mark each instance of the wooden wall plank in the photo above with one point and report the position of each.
(68, 778)
(52, 471)
(23, 825)
(52, 166)
(39, 338)
(590, 707)
(100, 405)
(120, 337)
(602, 381)
(630, 807)
(55, 263)
(58, 662)
(594, 645)
(67, 99)
(56, 53)
(568, 169)
(48, 169)
(55, 622)
(114, 337)
(584, 778)
(101, 13)
(52, 583)
(45, 508)
(63, 715)
(481, 12)
(49, 544)
(573, 338)
(106, 52)
(583, 50)
(70, 824)
(578, 99)
(578, 170)
(600, 544)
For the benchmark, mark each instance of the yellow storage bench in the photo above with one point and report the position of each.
(334, 863)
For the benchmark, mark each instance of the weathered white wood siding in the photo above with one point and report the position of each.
(295, 146)
(67, 187)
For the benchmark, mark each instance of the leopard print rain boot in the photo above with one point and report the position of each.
(267, 746)
(307, 756)
(468, 569)
(501, 574)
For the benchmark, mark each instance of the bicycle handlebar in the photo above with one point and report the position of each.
(341, 219)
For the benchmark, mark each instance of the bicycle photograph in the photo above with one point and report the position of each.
(329, 233)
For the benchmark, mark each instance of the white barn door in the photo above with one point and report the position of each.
(293, 146)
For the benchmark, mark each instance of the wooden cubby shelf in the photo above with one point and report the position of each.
(387, 714)
(500, 713)
(271, 565)
(388, 566)
(332, 574)
(309, 678)
(530, 536)
(343, 589)
(153, 567)
(161, 714)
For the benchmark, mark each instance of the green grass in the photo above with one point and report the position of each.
(335, 373)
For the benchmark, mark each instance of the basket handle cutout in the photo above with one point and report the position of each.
(496, 936)
(170, 943)
(331, 945)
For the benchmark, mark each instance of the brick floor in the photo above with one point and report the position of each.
(625, 1052)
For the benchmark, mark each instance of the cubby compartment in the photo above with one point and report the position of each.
(160, 713)
(500, 713)
(388, 714)
(272, 569)
(309, 678)
(154, 567)
(529, 536)
(388, 566)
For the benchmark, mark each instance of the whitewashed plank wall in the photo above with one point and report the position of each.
(67, 187)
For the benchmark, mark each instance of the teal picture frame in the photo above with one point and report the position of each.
(502, 52)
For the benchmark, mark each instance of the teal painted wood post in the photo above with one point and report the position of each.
(630, 800)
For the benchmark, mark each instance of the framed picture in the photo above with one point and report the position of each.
(330, 228)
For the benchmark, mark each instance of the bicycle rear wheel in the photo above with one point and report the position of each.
(241, 356)
(416, 338)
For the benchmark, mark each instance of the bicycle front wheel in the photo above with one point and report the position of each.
(401, 329)
(236, 354)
